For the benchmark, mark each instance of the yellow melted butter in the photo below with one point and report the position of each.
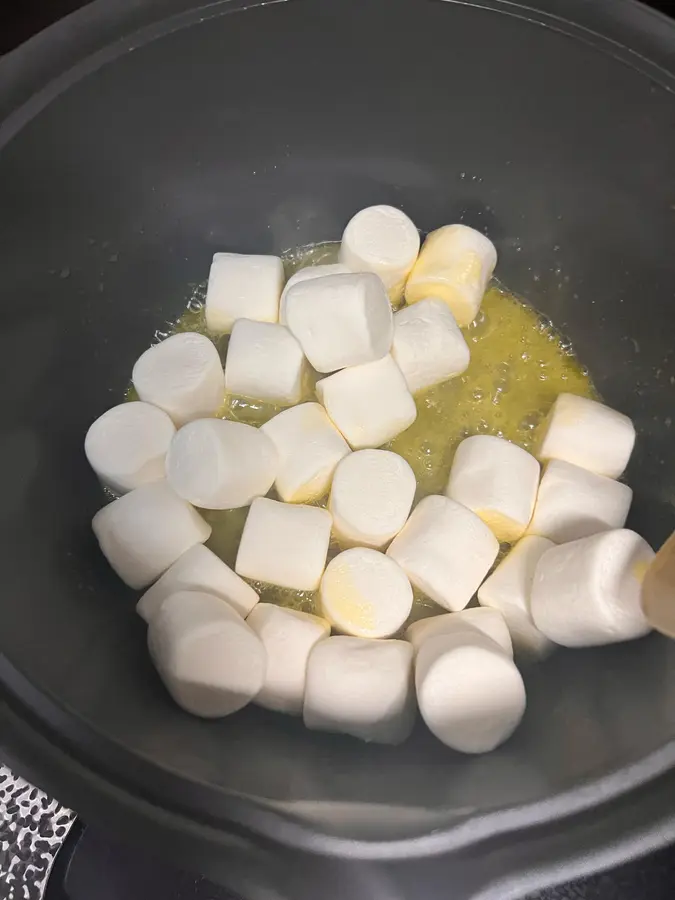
(519, 364)
(639, 570)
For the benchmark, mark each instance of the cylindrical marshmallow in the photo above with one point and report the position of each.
(371, 497)
(469, 692)
(361, 687)
(127, 445)
(288, 637)
(428, 347)
(498, 481)
(182, 375)
(508, 590)
(587, 434)
(217, 464)
(265, 362)
(573, 503)
(144, 532)
(308, 274)
(455, 265)
(489, 622)
(243, 286)
(309, 447)
(383, 240)
(365, 594)
(284, 544)
(210, 660)
(587, 593)
(445, 550)
(370, 404)
(340, 320)
(199, 569)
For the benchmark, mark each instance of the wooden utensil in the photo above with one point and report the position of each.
(658, 590)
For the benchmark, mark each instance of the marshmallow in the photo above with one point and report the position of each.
(498, 481)
(144, 532)
(508, 590)
(365, 594)
(288, 637)
(182, 375)
(210, 660)
(361, 687)
(264, 362)
(383, 240)
(428, 345)
(489, 622)
(370, 404)
(455, 265)
(587, 434)
(199, 569)
(243, 287)
(127, 445)
(340, 320)
(309, 447)
(218, 464)
(308, 274)
(587, 593)
(445, 550)
(284, 544)
(470, 693)
(371, 497)
(573, 503)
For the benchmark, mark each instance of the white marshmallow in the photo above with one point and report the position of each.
(210, 660)
(587, 593)
(455, 265)
(498, 481)
(265, 362)
(508, 590)
(340, 320)
(365, 594)
(587, 434)
(383, 240)
(429, 347)
(309, 448)
(217, 464)
(144, 532)
(182, 375)
(288, 637)
(199, 569)
(489, 622)
(308, 274)
(470, 693)
(361, 687)
(370, 404)
(127, 445)
(445, 550)
(573, 503)
(243, 286)
(371, 497)
(284, 544)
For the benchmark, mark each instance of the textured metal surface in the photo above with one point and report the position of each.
(32, 829)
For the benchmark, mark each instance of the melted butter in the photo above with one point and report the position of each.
(519, 365)
(639, 570)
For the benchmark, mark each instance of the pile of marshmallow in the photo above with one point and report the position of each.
(573, 576)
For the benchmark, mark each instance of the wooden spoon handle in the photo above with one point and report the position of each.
(658, 590)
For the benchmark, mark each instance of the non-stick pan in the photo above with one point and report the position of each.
(139, 138)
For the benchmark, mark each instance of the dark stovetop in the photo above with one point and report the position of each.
(120, 873)
(92, 867)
